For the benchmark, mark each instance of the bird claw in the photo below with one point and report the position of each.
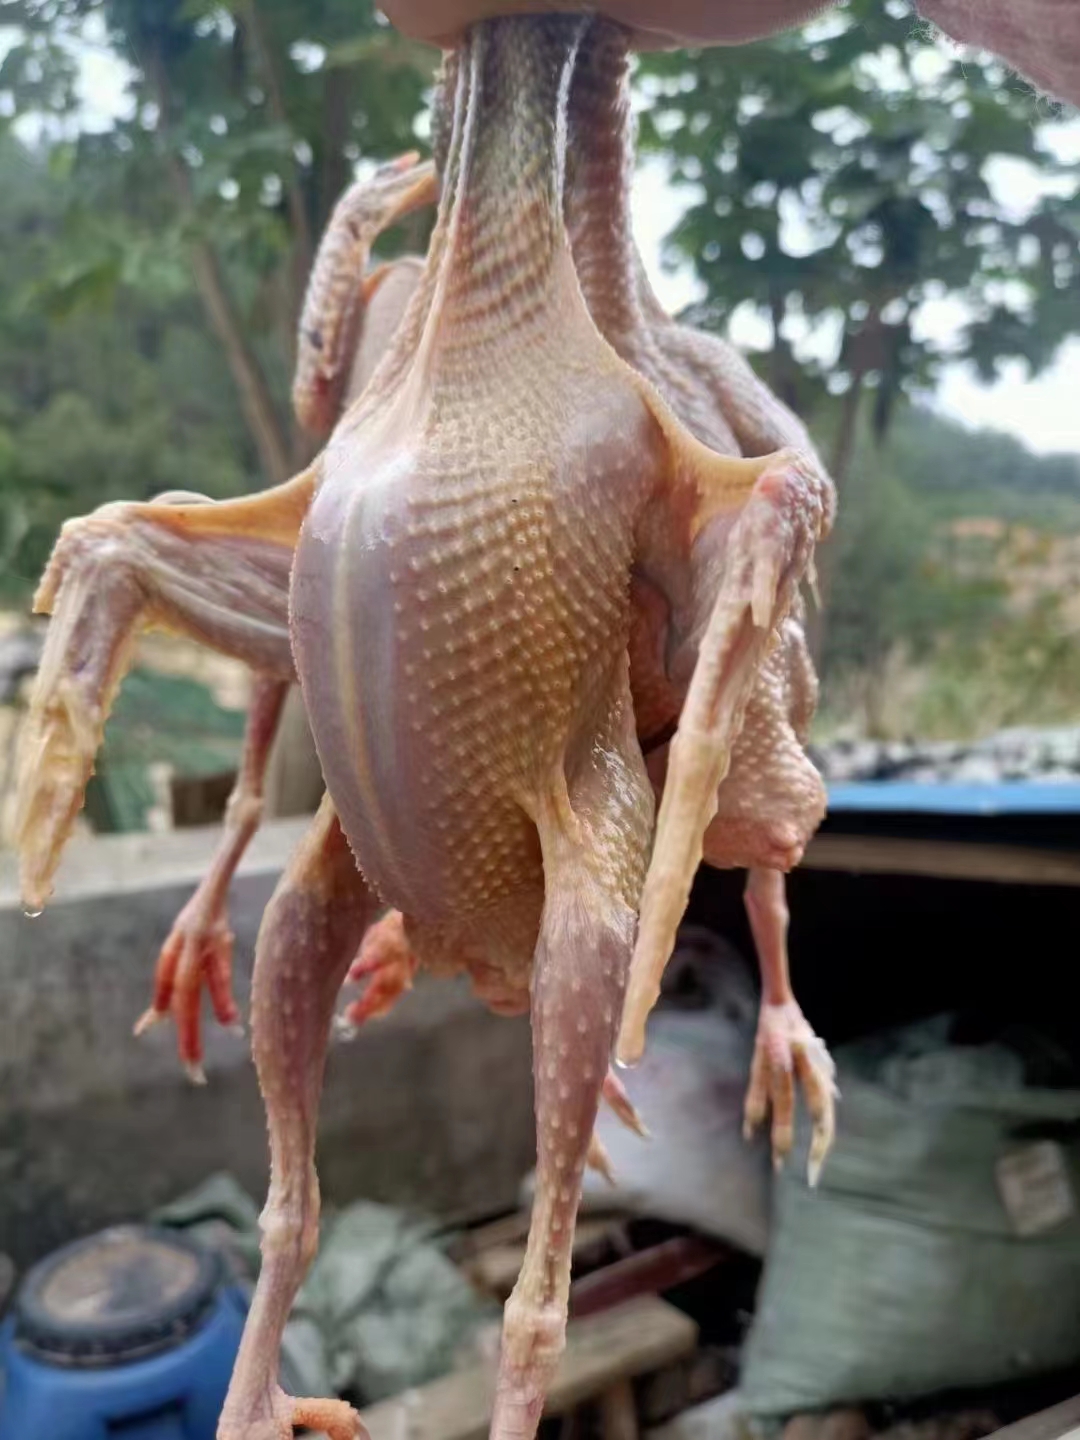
(197, 953)
(336, 1419)
(387, 965)
(619, 1102)
(599, 1160)
(786, 1053)
(148, 1020)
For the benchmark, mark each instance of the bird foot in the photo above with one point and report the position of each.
(197, 953)
(387, 965)
(787, 1050)
(333, 1418)
(94, 602)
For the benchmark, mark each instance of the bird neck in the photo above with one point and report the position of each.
(501, 233)
(600, 171)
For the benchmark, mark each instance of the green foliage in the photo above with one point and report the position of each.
(893, 584)
(114, 404)
(244, 123)
(956, 472)
(158, 719)
(1023, 668)
(840, 182)
(121, 366)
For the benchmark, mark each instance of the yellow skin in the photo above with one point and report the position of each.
(771, 800)
(461, 558)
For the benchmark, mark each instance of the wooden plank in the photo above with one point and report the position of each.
(503, 1231)
(495, 1269)
(1060, 1420)
(944, 859)
(618, 1412)
(617, 1345)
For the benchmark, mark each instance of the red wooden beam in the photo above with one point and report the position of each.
(649, 1272)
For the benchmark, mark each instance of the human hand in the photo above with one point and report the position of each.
(656, 24)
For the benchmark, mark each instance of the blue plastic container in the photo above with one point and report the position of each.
(129, 1335)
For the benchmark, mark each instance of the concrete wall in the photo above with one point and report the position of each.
(430, 1106)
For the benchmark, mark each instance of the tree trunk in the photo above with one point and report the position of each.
(256, 398)
(843, 449)
(260, 412)
(334, 168)
(303, 251)
(781, 368)
(844, 445)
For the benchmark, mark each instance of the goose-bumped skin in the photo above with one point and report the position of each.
(470, 543)
(350, 314)
(477, 519)
(479, 566)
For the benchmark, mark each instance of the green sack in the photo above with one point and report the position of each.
(942, 1248)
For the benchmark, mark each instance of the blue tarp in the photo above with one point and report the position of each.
(1009, 797)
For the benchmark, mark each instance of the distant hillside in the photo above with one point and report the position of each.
(956, 471)
(954, 585)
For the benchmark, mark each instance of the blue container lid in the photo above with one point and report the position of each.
(118, 1296)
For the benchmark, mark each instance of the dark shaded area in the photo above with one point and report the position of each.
(872, 951)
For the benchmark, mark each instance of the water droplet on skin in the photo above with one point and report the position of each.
(32, 914)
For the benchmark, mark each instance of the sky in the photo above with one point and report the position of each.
(1044, 412)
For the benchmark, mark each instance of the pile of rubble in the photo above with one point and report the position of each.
(1021, 753)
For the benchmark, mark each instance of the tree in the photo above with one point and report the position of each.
(117, 402)
(842, 188)
(247, 120)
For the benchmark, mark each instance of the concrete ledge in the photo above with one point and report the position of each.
(431, 1106)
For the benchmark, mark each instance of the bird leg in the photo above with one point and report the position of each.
(339, 293)
(198, 950)
(621, 1106)
(309, 934)
(767, 808)
(763, 555)
(786, 1049)
(580, 967)
(594, 830)
(388, 965)
(217, 572)
(771, 799)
